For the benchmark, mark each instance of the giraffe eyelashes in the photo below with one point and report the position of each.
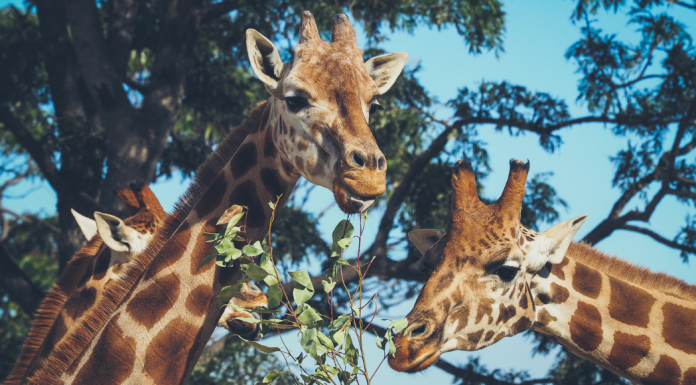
(296, 103)
(506, 272)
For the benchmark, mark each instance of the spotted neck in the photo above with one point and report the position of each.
(641, 332)
(157, 332)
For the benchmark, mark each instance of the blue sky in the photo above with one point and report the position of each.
(538, 35)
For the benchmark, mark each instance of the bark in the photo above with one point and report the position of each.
(18, 286)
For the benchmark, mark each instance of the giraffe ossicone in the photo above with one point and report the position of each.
(153, 326)
(492, 278)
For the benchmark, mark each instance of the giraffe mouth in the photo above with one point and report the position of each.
(360, 204)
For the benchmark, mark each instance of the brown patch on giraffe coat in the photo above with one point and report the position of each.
(586, 281)
(524, 302)
(689, 377)
(78, 304)
(177, 245)
(629, 304)
(302, 144)
(505, 313)
(545, 318)
(269, 146)
(102, 265)
(488, 336)
(151, 304)
(243, 160)
(165, 359)
(198, 300)
(202, 249)
(299, 162)
(666, 372)
(557, 269)
(628, 350)
(212, 197)
(272, 181)
(475, 337)
(462, 316)
(485, 307)
(586, 327)
(112, 358)
(678, 327)
(246, 195)
(521, 325)
(557, 294)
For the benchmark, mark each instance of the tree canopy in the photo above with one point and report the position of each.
(95, 94)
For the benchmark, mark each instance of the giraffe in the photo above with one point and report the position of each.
(100, 261)
(494, 278)
(154, 325)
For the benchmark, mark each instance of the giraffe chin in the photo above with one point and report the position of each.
(350, 202)
(420, 364)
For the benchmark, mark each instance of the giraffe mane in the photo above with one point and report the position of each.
(60, 360)
(51, 306)
(629, 272)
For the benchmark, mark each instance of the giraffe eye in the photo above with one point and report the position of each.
(374, 107)
(296, 103)
(506, 273)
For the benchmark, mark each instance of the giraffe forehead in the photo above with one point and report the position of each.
(329, 75)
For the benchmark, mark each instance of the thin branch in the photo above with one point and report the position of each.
(30, 218)
(659, 238)
(41, 157)
(683, 4)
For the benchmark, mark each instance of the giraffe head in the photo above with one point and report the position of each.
(326, 95)
(479, 290)
(249, 298)
(126, 238)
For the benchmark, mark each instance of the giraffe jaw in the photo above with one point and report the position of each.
(361, 204)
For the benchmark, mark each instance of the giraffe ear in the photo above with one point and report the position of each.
(265, 60)
(88, 226)
(561, 235)
(384, 69)
(113, 231)
(425, 239)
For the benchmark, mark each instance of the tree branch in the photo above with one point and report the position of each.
(19, 288)
(30, 218)
(659, 238)
(122, 18)
(41, 157)
(218, 9)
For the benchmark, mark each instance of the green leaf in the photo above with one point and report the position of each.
(345, 243)
(207, 259)
(310, 317)
(392, 348)
(302, 294)
(380, 343)
(275, 295)
(267, 265)
(228, 292)
(271, 205)
(253, 250)
(302, 277)
(270, 377)
(231, 215)
(263, 348)
(351, 352)
(224, 246)
(233, 255)
(344, 229)
(328, 286)
(325, 340)
(398, 325)
(255, 272)
(309, 336)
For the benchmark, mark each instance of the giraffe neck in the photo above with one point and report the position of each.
(158, 331)
(639, 331)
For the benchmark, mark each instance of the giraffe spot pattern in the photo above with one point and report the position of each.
(243, 160)
(628, 350)
(489, 335)
(269, 146)
(557, 269)
(586, 327)
(666, 372)
(174, 251)
(521, 325)
(272, 181)
(198, 300)
(246, 195)
(485, 308)
(524, 302)
(165, 358)
(475, 337)
(79, 303)
(629, 304)
(112, 358)
(102, 264)
(587, 281)
(690, 377)
(212, 197)
(505, 313)
(202, 249)
(150, 305)
(557, 294)
(545, 318)
(678, 327)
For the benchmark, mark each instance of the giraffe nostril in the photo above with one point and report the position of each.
(419, 331)
(381, 163)
(358, 159)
